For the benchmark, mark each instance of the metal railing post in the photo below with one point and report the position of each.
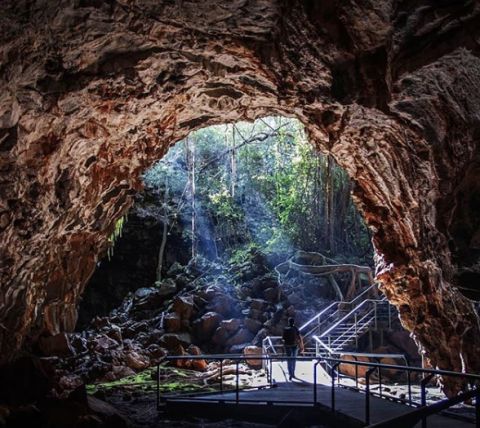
(389, 316)
(221, 375)
(409, 381)
(423, 385)
(477, 408)
(271, 371)
(379, 378)
(367, 394)
(315, 382)
(356, 335)
(356, 371)
(237, 392)
(158, 386)
(332, 374)
(375, 314)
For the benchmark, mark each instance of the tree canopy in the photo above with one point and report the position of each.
(258, 184)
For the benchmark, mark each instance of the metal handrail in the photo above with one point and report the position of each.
(270, 344)
(412, 418)
(319, 315)
(353, 326)
(472, 379)
(338, 302)
(372, 355)
(364, 292)
(349, 314)
(439, 372)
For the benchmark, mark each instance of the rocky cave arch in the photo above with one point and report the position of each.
(93, 92)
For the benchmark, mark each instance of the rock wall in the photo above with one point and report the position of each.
(93, 92)
(134, 260)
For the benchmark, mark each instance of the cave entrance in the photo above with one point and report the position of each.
(224, 243)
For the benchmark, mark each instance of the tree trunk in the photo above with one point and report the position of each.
(329, 211)
(190, 155)
(233, 165)
(163, 244)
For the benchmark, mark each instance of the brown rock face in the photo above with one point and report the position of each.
(92, 93)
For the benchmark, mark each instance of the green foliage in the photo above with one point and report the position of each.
(176, 381)
(270, 192)
(224, 205)
(244, 254)
(117, 233)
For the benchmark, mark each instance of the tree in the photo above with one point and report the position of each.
(261, 184)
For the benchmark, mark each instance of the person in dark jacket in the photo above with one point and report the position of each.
(292, 340)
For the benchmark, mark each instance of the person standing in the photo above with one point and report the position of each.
(293, 341)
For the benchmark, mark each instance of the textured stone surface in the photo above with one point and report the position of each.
(91, 93)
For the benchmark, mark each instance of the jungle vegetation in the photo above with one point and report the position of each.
(261, 185)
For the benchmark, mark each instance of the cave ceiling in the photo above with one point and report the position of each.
(93, 92)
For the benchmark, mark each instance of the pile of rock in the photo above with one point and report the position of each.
(188, 313)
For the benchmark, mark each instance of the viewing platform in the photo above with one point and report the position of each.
(316, 398)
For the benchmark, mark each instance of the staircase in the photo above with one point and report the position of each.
(344, 333)
(338, 327)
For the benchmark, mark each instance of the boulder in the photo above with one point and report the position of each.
(175, 269)
(246, 291)
(260, 284)
(167, 287)
(100, 322)
(296, 299)
(136, 361)
(290, 311)
(387, 374)
(70, 382)
(231, 325)
(249, 351)
(115, 333)
(147, 298)
(258, 304)
(221, 336)
(171, 341)
(200, 365)
(205, 326)
(211, 292)
(102, 342)
(252, 325)
(257, 314)
(241, 336)
(183, 306)
(222, 304)
(58, 345)
(272, 294)
(133, 329)
(118, 372)
(172, 322)
(156, 353)
(238, 349)
(155, 336)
